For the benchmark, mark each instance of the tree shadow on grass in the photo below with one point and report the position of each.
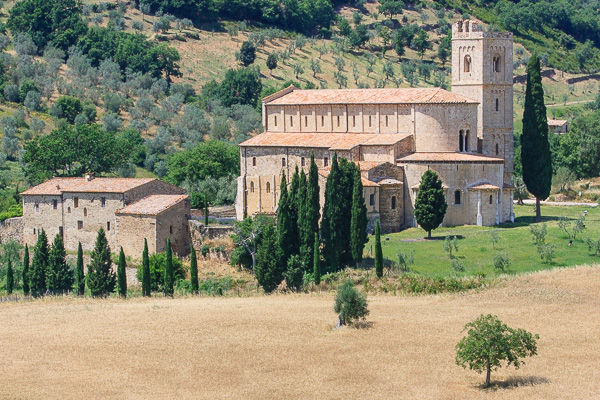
(364, 324)
(525, 220)
(514, 382)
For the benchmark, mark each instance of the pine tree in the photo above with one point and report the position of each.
(169, 273)
(10, 278)
(331, 210)
(535, 148)
(316, 260)
(26, 271)
(59, 277)
(39, 265)
(194, 271)
(101, 279)
(358, 223)
(430, 204)
(79, 273)
(269, 271)
(121, 274)
(308, 219)
(146, 279)
(378, 251)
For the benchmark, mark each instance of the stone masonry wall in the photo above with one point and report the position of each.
(11, 229)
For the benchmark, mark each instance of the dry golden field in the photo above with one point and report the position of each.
(283, 346)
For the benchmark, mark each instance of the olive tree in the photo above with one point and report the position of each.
(489, 342)
(350, 304)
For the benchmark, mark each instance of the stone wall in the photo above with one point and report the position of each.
(39, 213)
(11, 229)
(173, 223)
(438, 126)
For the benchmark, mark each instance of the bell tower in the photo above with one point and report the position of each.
(482, 69)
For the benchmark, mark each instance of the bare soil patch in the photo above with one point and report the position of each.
(283, 346)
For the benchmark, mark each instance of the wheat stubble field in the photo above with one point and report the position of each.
(282, 346)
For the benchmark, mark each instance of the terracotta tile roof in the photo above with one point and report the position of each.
(370, 96)
(334, 141)
(324, 172)
(369, 165)
(57, 186)
(389, 181)
(448, 158)
(483, 186)
(152, 205)
(557, 122)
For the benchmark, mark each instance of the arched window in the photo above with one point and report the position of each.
(305, 121)
(467, 63)
(393, 202)
(338, 121)
(254, 161)
(291, 121)
(268, 187)
(497, 104)
(497, 149)
(283, 161)
(302, 161)
(251, 187)
(457, 197)
(491, 199)
(322, 120)
(369, 121)
(496, 63)
(467, 140)
(461, 141)
(85, 212)
(275, 120)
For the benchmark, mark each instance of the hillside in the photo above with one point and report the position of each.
(160, 81)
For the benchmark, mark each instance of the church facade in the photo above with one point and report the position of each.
(395, 135)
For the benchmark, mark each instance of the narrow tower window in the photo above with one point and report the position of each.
(393, 202)
(497, 149)
(467, 140)
(496, 63)
(491, 199)
(461, 139)
(497, 104)
(467, 63)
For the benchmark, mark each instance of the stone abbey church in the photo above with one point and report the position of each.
(395, 135)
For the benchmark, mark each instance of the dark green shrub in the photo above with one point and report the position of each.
(350, 304)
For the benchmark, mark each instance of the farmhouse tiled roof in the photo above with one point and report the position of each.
(57, 186)
(334, 141)
(557, 122)
(367, 96)
(153, 204)
(449, 158)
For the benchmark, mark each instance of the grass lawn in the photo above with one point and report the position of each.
(476, 253)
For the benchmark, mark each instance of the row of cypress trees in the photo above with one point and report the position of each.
(49, 272)
(292, 248)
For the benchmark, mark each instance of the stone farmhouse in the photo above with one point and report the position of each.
(465, 135)
(128, 210)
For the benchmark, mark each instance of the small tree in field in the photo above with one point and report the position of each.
(430, 204)
(350, 304)
(489, 342)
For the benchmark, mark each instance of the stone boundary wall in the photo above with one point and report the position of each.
(11, 229)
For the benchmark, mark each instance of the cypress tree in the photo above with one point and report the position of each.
(39, 264)
(146, 281)
(169, 274)
(430, 204)
(269, 271)
(329, 229)
(10, 278)
(287, 224)
(358, 222)
(378, 251)
(535, 148)
(316, 260)
(194, 271)
(292, 203)
(344, 218)
(205, 209)
(308, 219)
(26, 271)
(101, 279)
(301, 202)
(59, 277)
(79, 273)
(121, 274)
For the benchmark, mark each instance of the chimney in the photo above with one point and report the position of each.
(89, 176)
